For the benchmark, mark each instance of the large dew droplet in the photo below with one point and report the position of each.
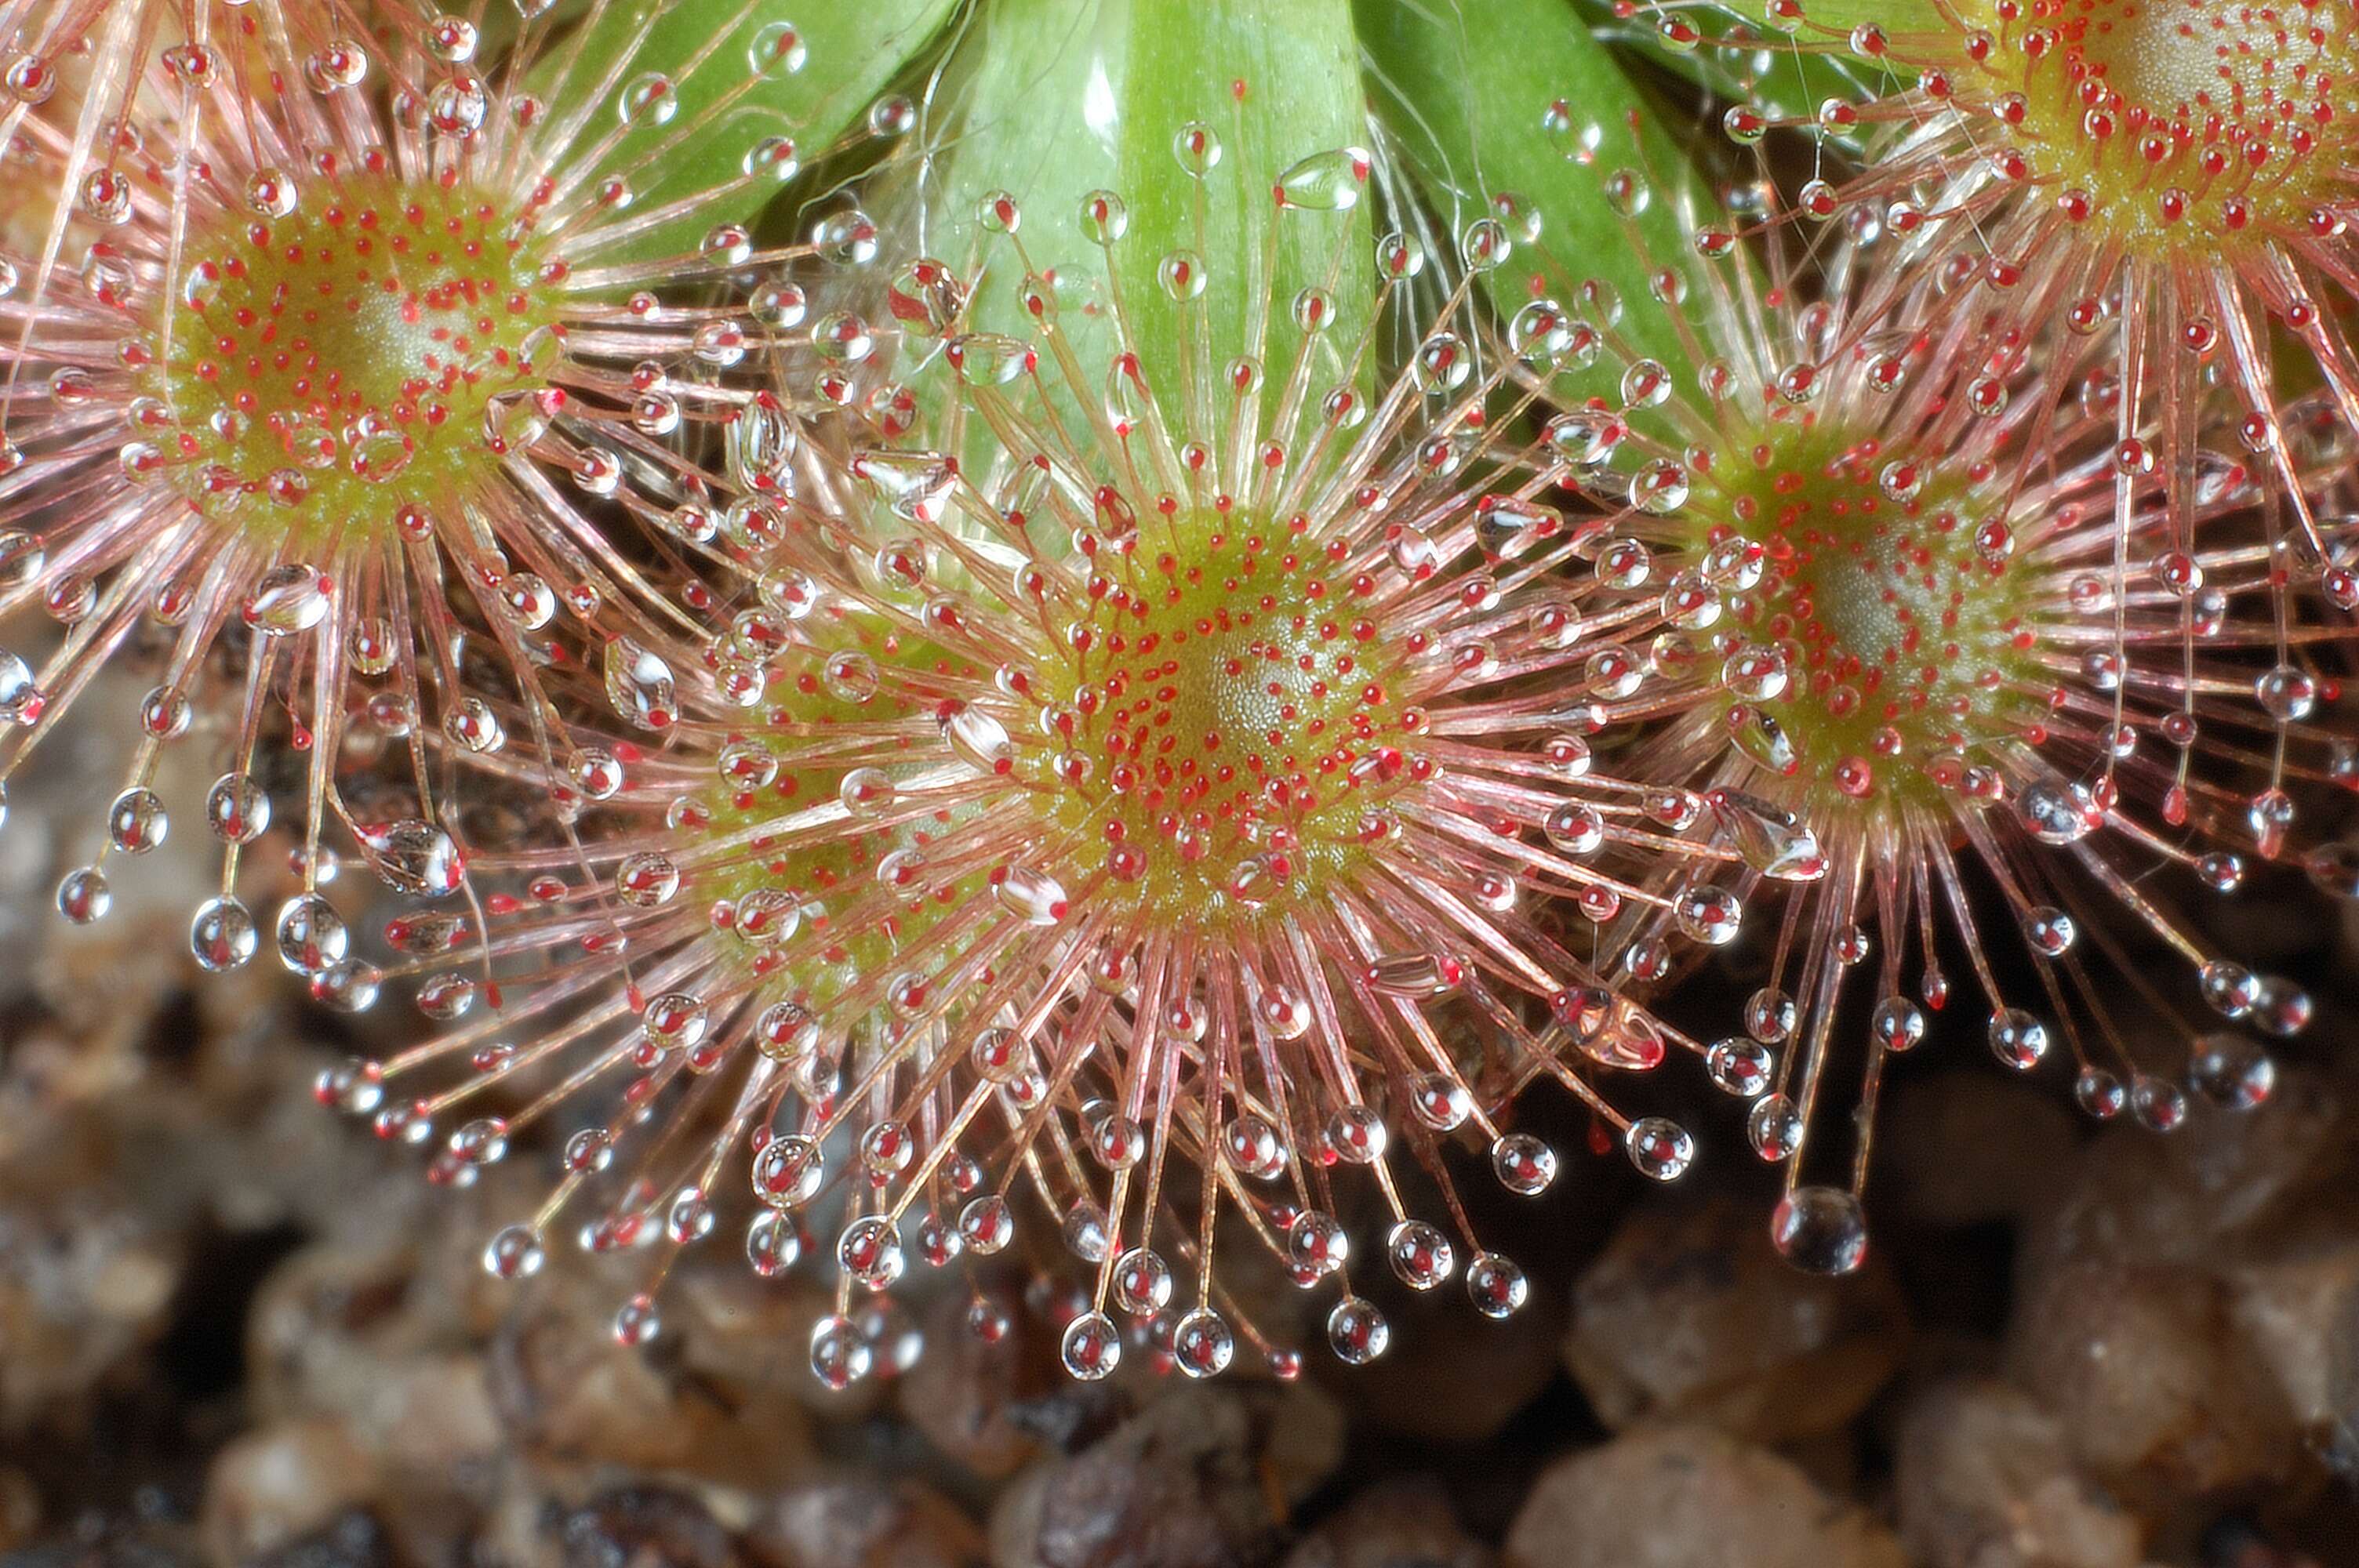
(1326, 182)
(287, 600)
(1820, 1230)
(639, 685)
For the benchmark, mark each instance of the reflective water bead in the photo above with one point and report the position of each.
(1142, 1281)
(988, 1224)
(221, 935)
(2232, 1071)
(1316, 1243)
(773, 1243)
(2157, 1103)
(1769, 1015)
(789, 1172)
(1440, 1100)
(1092, 1346)
(2099, 1093)
(1357, 1332)
(840, 1353)
(1495, 1285)
(1084, 1232)
(1419, 1254)
(137, 822)
(1774, 1128)
(238, 809)
(1203, 1343)
(637, 1323)
(1820, 1230)
(1659, 1148)
(2229, 989)
(1709, 914)
(2017, 1039)
(1523, 1163)
(312, 936)
(514, 1252)
(870, 1252)
(1897, 1024)
(1740, 1067)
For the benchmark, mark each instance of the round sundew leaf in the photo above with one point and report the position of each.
(1496, 97)
(820, 75)
(1054, 101)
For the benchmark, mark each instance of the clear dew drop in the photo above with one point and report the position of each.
(20, 701)
(1774, 1128)
(287, 600)
(637, 1323)
(1659, 1148)
(2229, 988)
(639, 685)
(1084, 1232)
(1414, 975)
(1419, 1254)
(2158, 1103)
(1357, 1135)
(777, 50)
(221, 935)
(870, 1252)
(1774, 843)
(1203, 1343)
(1708, 914)
(2232, 1071)
(414, 857)
(2099, 1094)
(988, 1224)
(1496, 1285)
(311, 937)
(1142, 1283)
(2017, 1039)
(1440, 1100)
(989, 359)
(83, 896)
(648, 99)
(1523, 1163)
(1897, 1023)
(1104, 218)
(1740, 1067)
(2058, 814)
(22, 558)
(1092, 1346)
(1316, 1243)
(789, 1172)
(1357, 1332)
(980, 741)
(136, 821)
(1032, 895)
(840, 1354)
(1330, 181)
(773, 1243)
(1820, 1230)
(514, 1252)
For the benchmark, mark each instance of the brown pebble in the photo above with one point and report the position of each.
(1984, 1480)
(1690, 1315)
(282, 1482)
(1202, 1478)
(863, 1521)
(1687, 1496)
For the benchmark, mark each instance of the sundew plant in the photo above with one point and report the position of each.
(1095, 634)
